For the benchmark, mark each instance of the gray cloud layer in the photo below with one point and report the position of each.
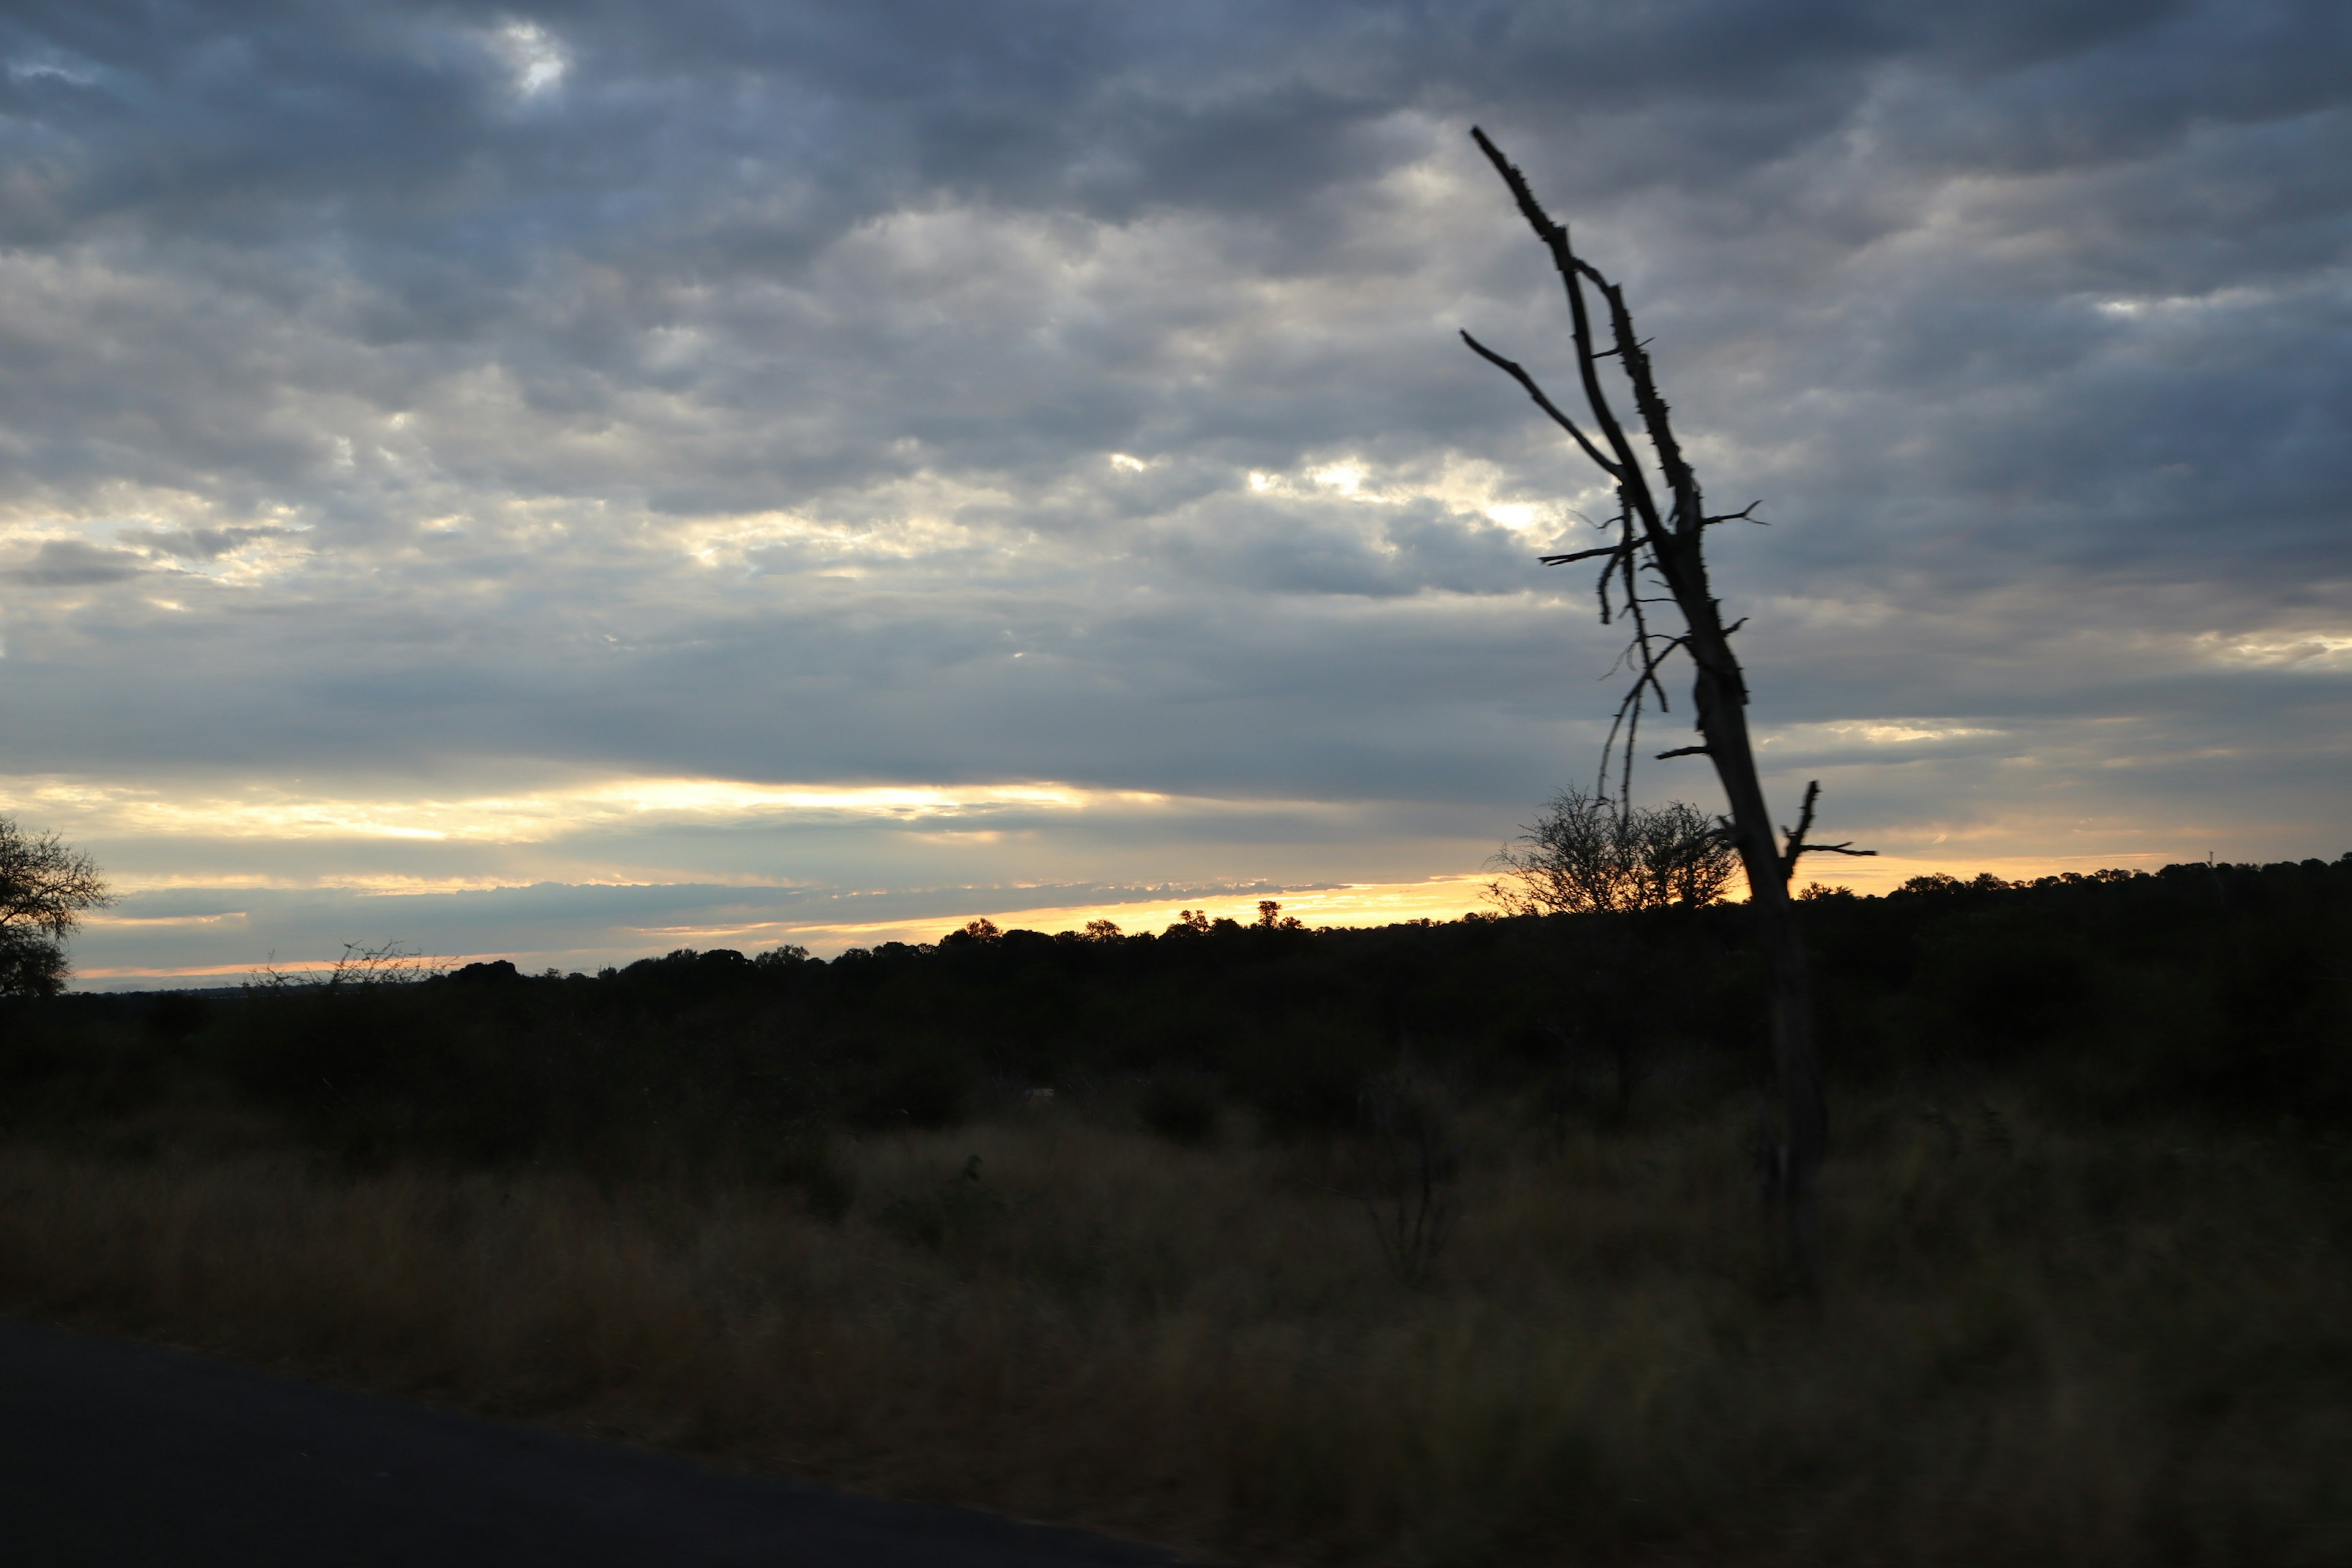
(939, 392)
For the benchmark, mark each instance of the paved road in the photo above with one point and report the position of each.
(119, 1454)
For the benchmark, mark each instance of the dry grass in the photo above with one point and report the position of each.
(2034, 1344)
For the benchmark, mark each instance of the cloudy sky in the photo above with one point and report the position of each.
(575, 481)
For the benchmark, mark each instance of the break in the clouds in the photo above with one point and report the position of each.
(577, 479)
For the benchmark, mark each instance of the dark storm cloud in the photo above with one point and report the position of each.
(1054, 390)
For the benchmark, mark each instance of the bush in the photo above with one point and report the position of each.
(1590, 854)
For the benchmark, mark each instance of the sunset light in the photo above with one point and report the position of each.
(1043, 782)
(778, 510)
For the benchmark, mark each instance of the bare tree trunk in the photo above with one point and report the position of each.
(1667, 543)
(1719, 694)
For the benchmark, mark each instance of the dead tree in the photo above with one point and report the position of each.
(1660, 529)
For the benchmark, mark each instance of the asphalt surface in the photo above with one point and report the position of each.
(118, 1452)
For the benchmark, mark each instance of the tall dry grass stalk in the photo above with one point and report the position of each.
(2031, 1346)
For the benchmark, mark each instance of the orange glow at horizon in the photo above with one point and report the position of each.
(1360, 904)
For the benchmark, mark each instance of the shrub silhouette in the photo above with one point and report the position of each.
(1588, 854)
(46, 887)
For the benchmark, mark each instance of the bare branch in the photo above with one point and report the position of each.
(1530, 208)
(1649, 669)
(1512, 369)
(1685, 752)
(1627, 469)
(1633, 603)
(1627, 720)
(1796, 836)
(1797, 844)
(1582, 555)
(1627, 547)
(1626, 771)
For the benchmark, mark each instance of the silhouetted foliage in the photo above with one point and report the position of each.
(2206, 990)
(45, 889)
(1589, 854)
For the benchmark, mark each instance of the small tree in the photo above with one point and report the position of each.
(1408, 1170)
(45, 888)
(1589, 854)
(1661, 525)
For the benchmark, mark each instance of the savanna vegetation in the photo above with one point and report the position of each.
(1435, 1244)
(46, 885)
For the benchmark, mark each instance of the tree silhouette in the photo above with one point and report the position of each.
(1590, 854)
(1661, 543)
(45, 887)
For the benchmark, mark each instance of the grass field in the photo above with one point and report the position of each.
(2035, 1341)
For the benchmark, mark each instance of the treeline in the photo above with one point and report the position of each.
(2212, 990)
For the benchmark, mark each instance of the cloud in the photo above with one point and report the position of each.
(473, 400)
(196, 544)
(70, 563)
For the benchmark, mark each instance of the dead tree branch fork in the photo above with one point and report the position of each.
(1661, 538)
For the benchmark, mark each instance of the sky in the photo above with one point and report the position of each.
(571, 481)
